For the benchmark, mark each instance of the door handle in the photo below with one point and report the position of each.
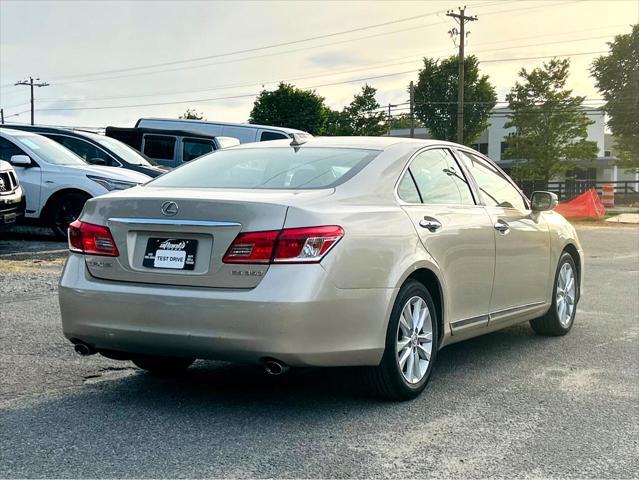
(430, 223)
(502, 227)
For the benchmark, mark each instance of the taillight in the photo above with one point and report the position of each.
(253, 247)
(91, 239)
(291, 245)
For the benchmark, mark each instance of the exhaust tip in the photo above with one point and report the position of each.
(274, 367)
(83, 349)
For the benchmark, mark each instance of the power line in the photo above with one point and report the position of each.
(254, 49)
(273, 46)
(266, 82)
(201, 100)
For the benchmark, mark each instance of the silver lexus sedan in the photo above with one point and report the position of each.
(372, 252)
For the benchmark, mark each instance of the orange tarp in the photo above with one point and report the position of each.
(586, 205)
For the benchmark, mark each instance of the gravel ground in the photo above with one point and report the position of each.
(509, 404)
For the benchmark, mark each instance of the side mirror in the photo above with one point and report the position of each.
(543, 201)
(97, 161)
(20, 161)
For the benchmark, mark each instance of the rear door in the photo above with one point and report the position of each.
(455, 230)
(161, 148)
(522, 241)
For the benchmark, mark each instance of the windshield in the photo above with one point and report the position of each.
(274, 168)
(49, 150)
(125, 152)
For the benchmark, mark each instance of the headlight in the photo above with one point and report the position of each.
(111, 183)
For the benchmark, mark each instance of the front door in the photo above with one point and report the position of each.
(454, 230)
(522, 242)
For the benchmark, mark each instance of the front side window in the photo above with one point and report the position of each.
(495, 189)
(439, 179)
(160, 147)
(48, 150)
(193, 148)
(270, 168)
(8, 150)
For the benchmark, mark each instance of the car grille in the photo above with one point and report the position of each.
(8, 182)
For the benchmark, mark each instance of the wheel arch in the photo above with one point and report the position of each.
(572, 250)
(431, 281)
(46, 210)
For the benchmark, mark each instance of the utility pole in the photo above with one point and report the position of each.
(390, 117)
(411, 90)
(31, 84)
(461, 18)
(2, 116)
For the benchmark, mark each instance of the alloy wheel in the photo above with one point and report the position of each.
(414, 340)
(565, 296)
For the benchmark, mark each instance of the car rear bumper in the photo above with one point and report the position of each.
(295, 315)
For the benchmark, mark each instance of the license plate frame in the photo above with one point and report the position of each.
(168, 253)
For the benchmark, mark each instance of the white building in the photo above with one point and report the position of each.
(492, 142)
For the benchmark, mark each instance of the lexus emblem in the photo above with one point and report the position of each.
(169, 208)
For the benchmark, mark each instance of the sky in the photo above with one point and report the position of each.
(112, 62)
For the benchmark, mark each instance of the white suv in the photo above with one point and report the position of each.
(56, 182)
(11, 196)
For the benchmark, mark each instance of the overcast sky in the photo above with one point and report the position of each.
(91, 51)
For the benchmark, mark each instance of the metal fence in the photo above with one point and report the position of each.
(626, 191)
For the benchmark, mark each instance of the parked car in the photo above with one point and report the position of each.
(56, 181)
(169, 147)
(98, 149)
(359, 251)
(245, 133)
(12, 202)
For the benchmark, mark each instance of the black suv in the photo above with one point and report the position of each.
(98, 149)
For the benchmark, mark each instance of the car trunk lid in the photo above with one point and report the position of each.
(179, 236)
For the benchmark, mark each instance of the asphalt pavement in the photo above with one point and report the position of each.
(510, 404)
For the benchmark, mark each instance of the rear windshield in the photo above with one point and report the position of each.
(270, 168)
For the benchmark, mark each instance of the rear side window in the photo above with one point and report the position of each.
(270, 168)
(266, 136)
(82, 149)
(161, 147)
(439, 179)
(407, 190)
(193, 148)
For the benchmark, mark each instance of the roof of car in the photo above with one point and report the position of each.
(35, 129)
(230, 124)
(17, 133)
(373, 143)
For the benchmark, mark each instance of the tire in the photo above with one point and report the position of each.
(65, 210)
(389, 379)
(162, 366)
(561, 315)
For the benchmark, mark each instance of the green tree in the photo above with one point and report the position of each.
(436, 98)
(192, 114)
(363, 116)
(617, 78)
(550, 125)
(360, 117)
(288, 106)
